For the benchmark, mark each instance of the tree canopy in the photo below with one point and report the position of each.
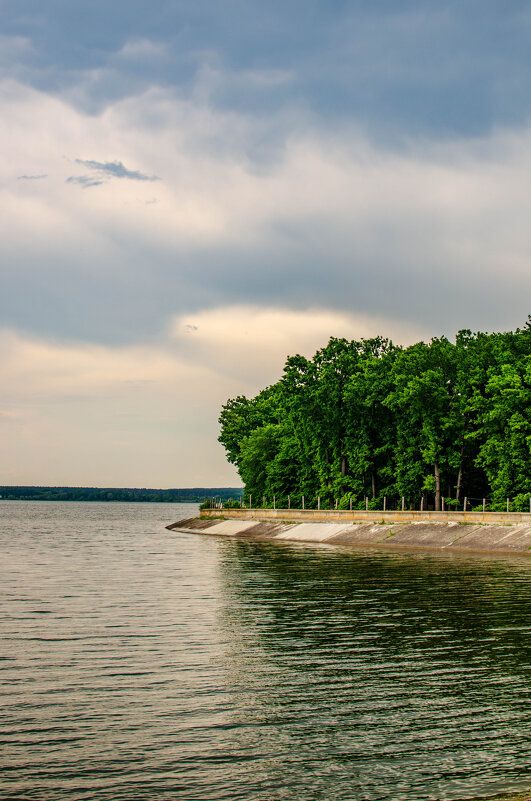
(439, 421)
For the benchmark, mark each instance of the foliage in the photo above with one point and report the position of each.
(232, 503)
(122, 494)
(438, 421)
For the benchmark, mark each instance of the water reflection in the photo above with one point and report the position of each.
(142, 664)
(400, 676)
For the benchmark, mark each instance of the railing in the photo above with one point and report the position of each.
(370, 516)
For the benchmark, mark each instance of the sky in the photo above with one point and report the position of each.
(192, 191)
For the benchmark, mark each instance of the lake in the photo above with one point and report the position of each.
(139, 663)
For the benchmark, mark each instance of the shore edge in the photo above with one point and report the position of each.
(455, 536)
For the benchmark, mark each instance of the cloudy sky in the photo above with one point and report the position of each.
(192, 191)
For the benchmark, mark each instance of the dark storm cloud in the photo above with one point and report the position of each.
(404, 73)
(148, 286)
(413, 67)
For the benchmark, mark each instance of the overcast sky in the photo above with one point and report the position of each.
(190, 192)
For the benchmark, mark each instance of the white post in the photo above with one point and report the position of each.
(303, 501)
(464, 504)
(350, 504)
(507, 504)
(336, 503)
(442, 504)
(274, 501)
(483, 505)
(385, 502)
(403, 503)
(366, 503)
(318, 502)
(422, 504)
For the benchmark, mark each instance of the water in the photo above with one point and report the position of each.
(138, 663)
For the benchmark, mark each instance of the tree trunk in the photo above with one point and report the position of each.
(459, 477)
(343, 465)
(437, 488)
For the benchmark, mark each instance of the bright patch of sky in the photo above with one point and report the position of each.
(178, 181)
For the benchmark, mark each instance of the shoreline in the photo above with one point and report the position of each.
(426, 533)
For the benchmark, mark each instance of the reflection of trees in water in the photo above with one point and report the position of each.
(451, 609)
(375, 675)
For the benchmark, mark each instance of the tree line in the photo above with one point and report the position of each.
(123, 494)
(434, 422)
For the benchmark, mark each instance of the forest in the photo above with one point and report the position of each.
(438, 424)
(121, 494)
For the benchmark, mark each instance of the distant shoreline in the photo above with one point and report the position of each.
(119, 494)
(92, 500)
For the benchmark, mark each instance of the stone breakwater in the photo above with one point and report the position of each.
(453, 535)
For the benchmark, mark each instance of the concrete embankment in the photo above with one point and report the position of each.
(453, 531)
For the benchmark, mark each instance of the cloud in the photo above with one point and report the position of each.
(437, 233)
(10, 415)
(250, 344)
(60, 401)
(84, 180)
(106, 170)
(115, 169)
(343, 169)
(404, 69)
(160, 401)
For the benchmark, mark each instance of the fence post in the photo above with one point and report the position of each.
(385, 502)
(422, 504)
(250, 501)
(289, 501)
(350, 503)
(403, 503)
(442, 504)
(303, 501)
(274, 501)
(483, 505)
(366, 503)
(336, 503)
(507, 504)
(464, 504)
(318, 502)
(263, 501)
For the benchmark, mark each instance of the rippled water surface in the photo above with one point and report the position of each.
(138, 663)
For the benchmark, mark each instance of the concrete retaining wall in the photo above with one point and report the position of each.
(512, 538)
